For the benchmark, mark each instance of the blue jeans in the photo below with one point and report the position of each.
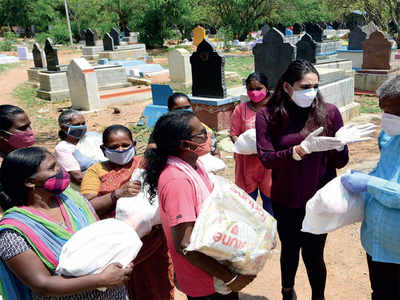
(267, 202)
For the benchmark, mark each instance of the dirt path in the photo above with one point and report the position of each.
(10, 79)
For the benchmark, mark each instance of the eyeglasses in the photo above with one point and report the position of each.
(202, 134)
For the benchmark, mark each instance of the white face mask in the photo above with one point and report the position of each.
(391, 124)
(304, 98)
(120, 157)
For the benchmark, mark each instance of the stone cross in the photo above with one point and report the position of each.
(108, 42)
(51, 55)
(307, 48)
(356, 38)
(377, 52)
(115, 34)
(39, 58)
(208, 72)
(297, 28)
(83, 87)
(273, 56)
(315, 31)
(90, 38)
(199, 34)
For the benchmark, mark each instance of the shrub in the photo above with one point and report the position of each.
(7, 44)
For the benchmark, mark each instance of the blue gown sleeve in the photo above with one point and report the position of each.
(384, 191)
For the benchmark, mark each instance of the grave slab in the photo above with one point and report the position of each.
(123, 54)
(160, 94)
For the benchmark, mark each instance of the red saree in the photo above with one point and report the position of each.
(152, 276)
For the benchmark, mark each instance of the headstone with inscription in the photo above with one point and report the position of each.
(39, 58)
(315, 31)
(356, 38)
(179, 68)
(51, 56)
(377, 52)
(306, 49)
(273, 55)
(208, 71)
(199, 34)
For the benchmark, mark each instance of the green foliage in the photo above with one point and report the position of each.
(227, 34)
(8, 42)
(58, 33)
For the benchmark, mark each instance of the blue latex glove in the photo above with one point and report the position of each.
(355, 182)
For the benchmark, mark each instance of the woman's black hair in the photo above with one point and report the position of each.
(7, 115)
(260, 77)
(114, 128)
(172, 98)
(280, 100)
(18, 166)
(168, 133)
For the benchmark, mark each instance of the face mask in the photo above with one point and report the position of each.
(391, 124)
(257, 96)
(120, 157)
(201, 149)
(57, 183)
(21, 139)
(76, 131)
(304, 98)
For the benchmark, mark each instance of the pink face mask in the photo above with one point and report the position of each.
(257, 96)
(21, 139)
(201, 149)
(57, 183)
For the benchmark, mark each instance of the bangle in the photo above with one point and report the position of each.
(295, 155)
(114, 197)
(232, 280)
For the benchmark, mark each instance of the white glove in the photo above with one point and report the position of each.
(315, 143)
(352, 133)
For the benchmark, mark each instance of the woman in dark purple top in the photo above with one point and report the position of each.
(303, 158)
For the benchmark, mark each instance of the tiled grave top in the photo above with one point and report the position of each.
(214, 101)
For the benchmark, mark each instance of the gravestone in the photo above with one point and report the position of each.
(51, 56)
(281, 28)
(370, 28)
(82, 36)
(23, 53)
(356, 39)
(265, 29)
(108, 42)
(39, 57)
(306, 49)
(297, 28)
(90, 38)
(127, 31)
(337, 25)
(213, 30)
(199, 34)
(315, 31)
(208, 71)
(160, 93)
(179, 68)
(83, 87)
(115, 34)
(377, 52)
(273, 55)
(323, 25)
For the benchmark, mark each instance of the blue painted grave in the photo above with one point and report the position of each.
(160, 94)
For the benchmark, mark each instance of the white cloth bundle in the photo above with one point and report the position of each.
(137, 211)
(212, 163)
(89, 146)
(333, 207)
(93, 248)
(246, 143)
(234, 229)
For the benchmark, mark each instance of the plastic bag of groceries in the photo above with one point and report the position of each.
(90, 144)
(234, 229)
(137, 211)
(246, 143)
(333, 207)
(93, 248)
(212, 163)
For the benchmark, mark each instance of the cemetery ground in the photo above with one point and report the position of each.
(345, 258)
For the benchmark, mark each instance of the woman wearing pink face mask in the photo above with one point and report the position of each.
(15, 129)
(250, 173)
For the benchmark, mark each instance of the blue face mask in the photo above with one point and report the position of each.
(120, 157)
(76, 131)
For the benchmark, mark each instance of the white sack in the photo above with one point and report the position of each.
(234, 229)
(333, 207)
(137, 211)
(90, 144)
(246, 143)
(212, 163)
(93, 248)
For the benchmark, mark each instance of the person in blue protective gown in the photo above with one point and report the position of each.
(380, 231)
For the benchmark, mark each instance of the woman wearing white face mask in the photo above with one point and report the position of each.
(103, 184)
(289, 142)
(380, 231)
